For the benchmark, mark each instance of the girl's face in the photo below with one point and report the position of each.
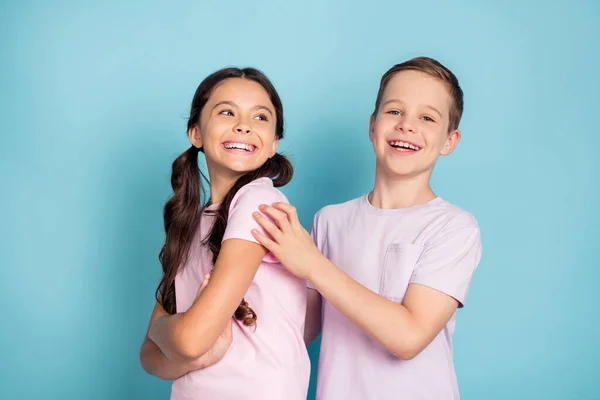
(236, 128)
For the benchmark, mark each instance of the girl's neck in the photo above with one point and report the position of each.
(220, 183)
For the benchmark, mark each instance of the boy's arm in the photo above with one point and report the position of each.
(314, 301)
(438, 288)
(403, 329)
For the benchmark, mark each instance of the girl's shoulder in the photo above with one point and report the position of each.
(259, 191)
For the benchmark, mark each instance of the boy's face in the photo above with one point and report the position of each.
(410, 130)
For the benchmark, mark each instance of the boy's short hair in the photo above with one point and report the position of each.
(435, 69)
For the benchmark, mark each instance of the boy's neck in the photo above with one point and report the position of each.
(391, 192)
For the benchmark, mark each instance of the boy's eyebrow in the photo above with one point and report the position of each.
(232, 104)
(392, 101)
(432, 108)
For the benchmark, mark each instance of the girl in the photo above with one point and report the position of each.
(399, 259)
(236, 120)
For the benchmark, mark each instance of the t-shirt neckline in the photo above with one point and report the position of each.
(366, 204)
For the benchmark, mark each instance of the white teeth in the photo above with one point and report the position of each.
(405, 145)
(239, 146)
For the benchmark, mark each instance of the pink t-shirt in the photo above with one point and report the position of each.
(436, 245)
(271, 362)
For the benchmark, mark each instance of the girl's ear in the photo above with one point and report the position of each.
(195, 137)
(275, 146)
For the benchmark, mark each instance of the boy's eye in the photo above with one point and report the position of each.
(428, 119)
(226, 112)
(261, 117)
(394, 112)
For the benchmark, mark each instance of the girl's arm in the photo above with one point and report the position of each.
(403, 329)
(312, 327)
(187, 336)
(155, 362)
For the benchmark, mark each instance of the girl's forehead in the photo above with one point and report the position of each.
(239, 88)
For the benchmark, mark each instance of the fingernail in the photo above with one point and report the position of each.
(255, 214)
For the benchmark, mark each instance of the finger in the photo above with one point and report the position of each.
(264, 241)
(279, 217)
(268, 226)
(290, 210)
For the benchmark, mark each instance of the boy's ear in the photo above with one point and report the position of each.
(451, 142)
(195, 137)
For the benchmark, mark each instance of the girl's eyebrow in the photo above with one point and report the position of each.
(259, 107)
(232, 104)
(229, 103)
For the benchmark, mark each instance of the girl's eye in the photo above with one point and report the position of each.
(261, 117)
(226, 112)
(394, 112)
(428, 119)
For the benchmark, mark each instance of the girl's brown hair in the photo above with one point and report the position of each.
(183, 210)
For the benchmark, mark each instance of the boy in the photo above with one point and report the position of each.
(390, 268)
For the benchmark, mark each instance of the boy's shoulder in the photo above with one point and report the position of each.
(457, 216)
(442, 211)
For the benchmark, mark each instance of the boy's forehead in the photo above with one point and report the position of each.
(414, 86)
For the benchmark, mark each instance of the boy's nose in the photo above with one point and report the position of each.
(405, 125)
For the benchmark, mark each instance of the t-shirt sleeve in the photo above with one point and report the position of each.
(240, 222)
(449, 261)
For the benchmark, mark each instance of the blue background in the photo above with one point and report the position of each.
(93, 100)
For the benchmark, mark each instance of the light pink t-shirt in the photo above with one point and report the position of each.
(436, 245)
(271, 362)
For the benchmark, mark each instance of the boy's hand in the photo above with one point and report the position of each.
(290, 242)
